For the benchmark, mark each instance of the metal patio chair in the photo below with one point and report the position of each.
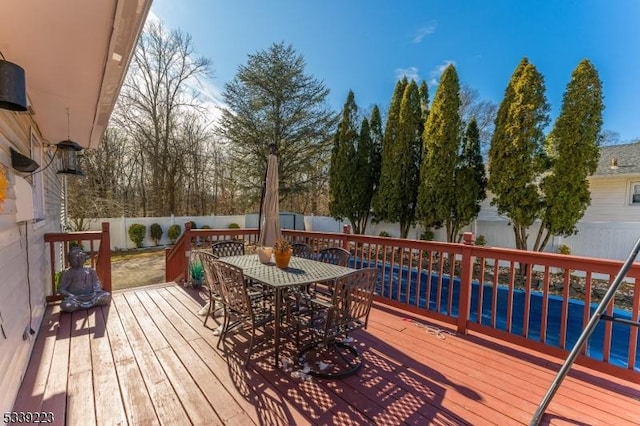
(335, 255)
(302, 250)
(329, 354)
(227, 248)
(240, 306)
(211, 279)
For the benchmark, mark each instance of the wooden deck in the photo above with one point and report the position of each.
(146, 359)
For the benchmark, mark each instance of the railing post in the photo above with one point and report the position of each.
(346, 229)
(187, 251)
(466, 276)
(105, 256)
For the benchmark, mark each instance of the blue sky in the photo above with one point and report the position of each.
(366, 45)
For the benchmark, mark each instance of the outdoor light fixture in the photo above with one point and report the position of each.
(69, 155)
(13, 89)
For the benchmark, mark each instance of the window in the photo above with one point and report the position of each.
(37, 179)
(635, 193)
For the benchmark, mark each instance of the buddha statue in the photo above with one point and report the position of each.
(80, 285)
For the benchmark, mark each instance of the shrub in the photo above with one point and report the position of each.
(174, 232)
(234, 226)
(137, 233)
(384, 234)
(481, 240)
(156, 233)
(427, 235)
(193, 225)
(564, 249)
(208, 238)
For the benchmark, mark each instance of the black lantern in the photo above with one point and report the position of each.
(13, 89)
(69, 154)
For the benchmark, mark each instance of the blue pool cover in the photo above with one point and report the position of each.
(620, 332)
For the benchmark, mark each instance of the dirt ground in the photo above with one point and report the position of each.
(137, 268)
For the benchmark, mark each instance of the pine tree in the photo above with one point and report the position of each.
(516, 157)
(441, 139)
(574, 150)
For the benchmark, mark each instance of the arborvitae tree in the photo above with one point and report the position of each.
(375, 128)
(437, 193)
(574, 150)
(471, 180)
(361, 183)
(516, 157)
(423, 93)
(341, 166)
(385, 201)
(398, 187)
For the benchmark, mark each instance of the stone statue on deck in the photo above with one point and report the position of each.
(80, 285)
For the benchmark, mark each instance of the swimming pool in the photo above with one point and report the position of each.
(620, 333)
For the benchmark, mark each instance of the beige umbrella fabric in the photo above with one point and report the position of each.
(270, 229)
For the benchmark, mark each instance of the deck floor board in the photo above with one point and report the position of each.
(147, 359)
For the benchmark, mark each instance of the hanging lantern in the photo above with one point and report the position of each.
(69, 155)
(13, 89)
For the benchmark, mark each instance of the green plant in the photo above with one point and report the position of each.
(174, 232)
(234, 226)
(137, 233)
(197, 272)
(193, 225)
(156, 233)
(564, 249)
(56, 280)
(207, 239)
(384, 234)
(481, 240)
(427, 235)
(281, 246)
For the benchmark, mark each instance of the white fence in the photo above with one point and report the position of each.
(608, 240)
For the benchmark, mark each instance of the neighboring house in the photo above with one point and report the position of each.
(75, 55)
(615, 186)
(611, 224)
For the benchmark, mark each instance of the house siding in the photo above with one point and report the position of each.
(24, 258)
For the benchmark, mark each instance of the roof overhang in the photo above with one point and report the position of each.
(75, 54)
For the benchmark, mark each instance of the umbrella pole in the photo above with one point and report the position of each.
(272, 150)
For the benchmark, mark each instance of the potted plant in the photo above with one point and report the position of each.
(282, 253)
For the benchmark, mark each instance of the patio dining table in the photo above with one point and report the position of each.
(299, 273)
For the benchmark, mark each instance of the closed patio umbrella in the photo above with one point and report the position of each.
(269, 220)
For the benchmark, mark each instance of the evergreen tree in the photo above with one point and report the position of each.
(375, 128)
(516, 157)
(441, 139)
(362, 182)
(573, 145)
(272, 100)
(471, 181)
(385, 200)
(341, 165)
(398, 187)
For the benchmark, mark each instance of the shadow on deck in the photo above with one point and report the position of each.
(147, 359)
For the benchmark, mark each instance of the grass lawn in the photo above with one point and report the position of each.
(135, 268)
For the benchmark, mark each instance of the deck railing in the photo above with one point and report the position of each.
(97, 244)
(538, 300)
